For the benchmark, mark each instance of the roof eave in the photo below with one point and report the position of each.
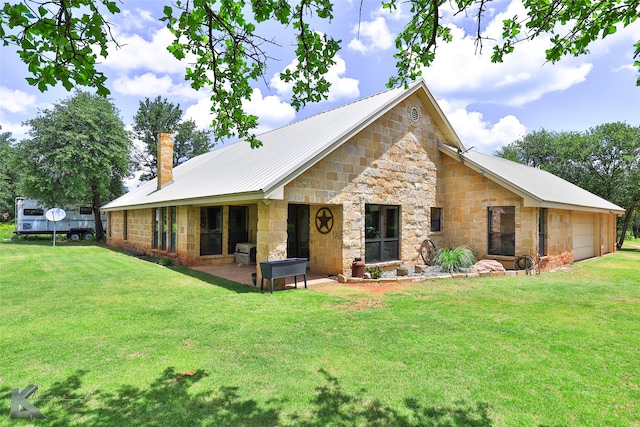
(529, 199)
(235, 198)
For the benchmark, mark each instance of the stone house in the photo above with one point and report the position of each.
(370, 179)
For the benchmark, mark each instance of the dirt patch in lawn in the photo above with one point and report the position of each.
(362, 288)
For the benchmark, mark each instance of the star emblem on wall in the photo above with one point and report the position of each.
(324, 220)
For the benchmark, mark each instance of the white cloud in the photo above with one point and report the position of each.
(18, 131)
(150, 84)
(475, 131)
(371, 36)
(272, 112)
(136, 20)
(15, 101)
(136, 53)
(523, 77)
(341, 87)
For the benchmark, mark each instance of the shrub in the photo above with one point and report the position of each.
(375, 272)
(166, 262)
(454, 260)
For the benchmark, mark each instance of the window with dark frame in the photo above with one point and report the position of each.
(125, 225)
(173, 228)
(33, 212)
(542, 232)
(211, 230)
(86, 210)
(502, 230)
(382, 233)
(436, 219)
(156, 220)
(163, 229)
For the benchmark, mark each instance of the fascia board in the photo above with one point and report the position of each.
(200, 201)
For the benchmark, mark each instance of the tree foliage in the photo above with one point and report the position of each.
(78, 152)
(604, 160)
(61, 41)
(8, 175)
(161, 116)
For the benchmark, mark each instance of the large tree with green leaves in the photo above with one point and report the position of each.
(8, 175)
(604, 160)
(63, 41)
(161, 116)
(78, 152)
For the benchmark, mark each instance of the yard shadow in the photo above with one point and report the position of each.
(216, 281)
(169, 401)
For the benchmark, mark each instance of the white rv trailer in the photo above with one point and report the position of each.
(79, 222)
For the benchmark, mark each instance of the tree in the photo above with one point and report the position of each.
(78, 153)
(161, 116)
(8, 175)
(604, 160)
(61, 41)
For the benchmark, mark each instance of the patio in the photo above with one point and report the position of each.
(242, 274)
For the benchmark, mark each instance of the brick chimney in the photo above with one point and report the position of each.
(165, 159)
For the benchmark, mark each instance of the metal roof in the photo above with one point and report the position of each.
(237, 172)
(536, 186)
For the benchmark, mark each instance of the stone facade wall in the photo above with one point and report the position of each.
(466, 197)
(139, 228)
(394, 161)
(559, 239)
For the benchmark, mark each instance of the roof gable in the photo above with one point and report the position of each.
(238, 172)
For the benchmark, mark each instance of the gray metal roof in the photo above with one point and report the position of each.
(237, 172)
(537, 187)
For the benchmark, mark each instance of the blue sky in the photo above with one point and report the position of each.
(489, 105)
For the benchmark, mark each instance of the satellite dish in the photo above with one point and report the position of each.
(55, 214)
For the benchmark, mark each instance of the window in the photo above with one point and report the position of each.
(173, 226)
(238, 227)
(163, 229)
(211, 230)
(125, 225)
(156, 220)
(86, 210)
(542, 227)
(436, 219)
(502, 230)
(33, 212)
(382, 232)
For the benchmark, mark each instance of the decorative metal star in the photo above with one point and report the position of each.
(324, 220)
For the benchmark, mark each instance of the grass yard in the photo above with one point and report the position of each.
(114, 341)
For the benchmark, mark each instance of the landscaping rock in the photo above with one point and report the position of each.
(488, 265)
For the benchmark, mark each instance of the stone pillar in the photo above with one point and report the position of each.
(165, 159)
(271, 239)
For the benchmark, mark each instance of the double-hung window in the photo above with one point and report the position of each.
(382, 233)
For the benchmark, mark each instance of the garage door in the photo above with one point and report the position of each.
(583, 236)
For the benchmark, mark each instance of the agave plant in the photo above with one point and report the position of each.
(454, 260)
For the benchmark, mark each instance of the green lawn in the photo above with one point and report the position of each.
(114, 341)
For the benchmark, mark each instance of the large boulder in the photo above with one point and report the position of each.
(488, 265)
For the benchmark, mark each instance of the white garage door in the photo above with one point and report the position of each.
(583, 236)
